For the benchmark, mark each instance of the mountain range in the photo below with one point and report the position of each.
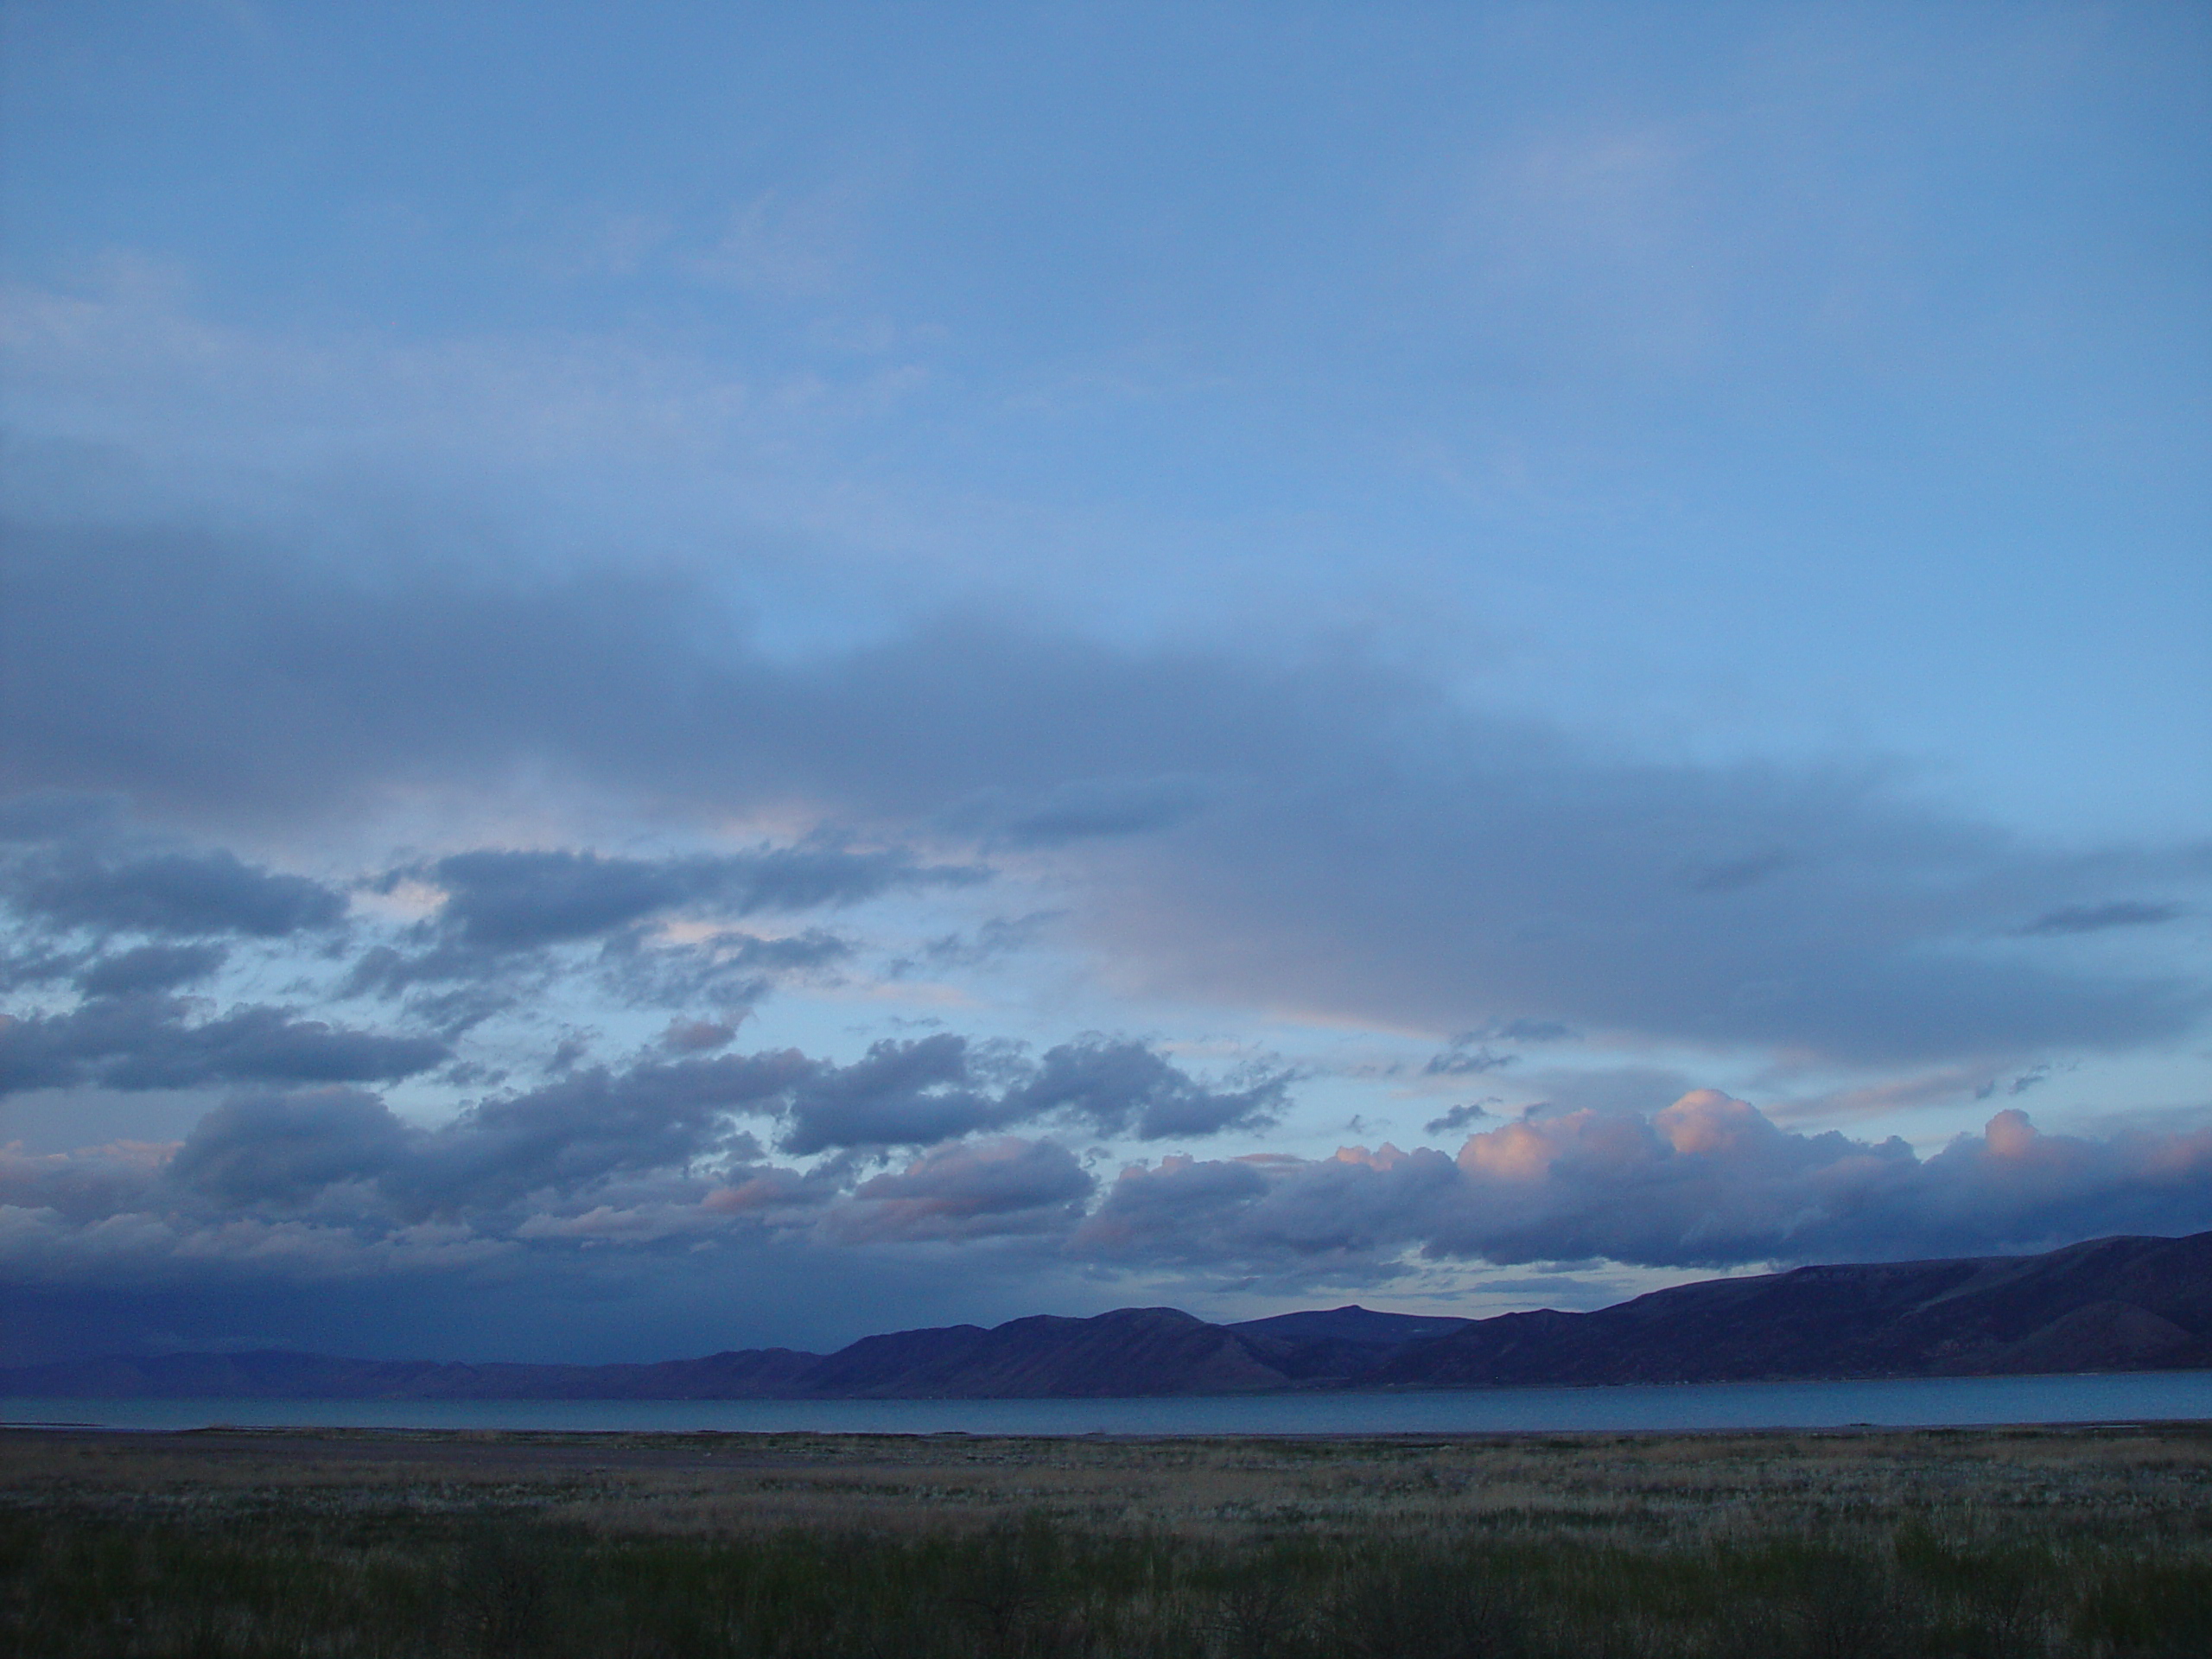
(2111, 1304)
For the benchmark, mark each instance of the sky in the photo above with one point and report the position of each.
(680, 677)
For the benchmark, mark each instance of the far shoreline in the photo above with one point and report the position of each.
(2053, 1400)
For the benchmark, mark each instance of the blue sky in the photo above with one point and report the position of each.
(1141, 595)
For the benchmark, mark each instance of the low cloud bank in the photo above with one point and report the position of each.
(654, 1165)
(1709, 1182)
(663, 1136)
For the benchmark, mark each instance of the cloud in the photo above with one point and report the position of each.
(973, 1190)
(1528, 1031)
(496, 900)
(1613, 1089)
(1890, 1095)
(938, 1087)
(501, 920)
(1080, 808)
(566, 1137)
(663, 1120)
(1458, 1118)
(1461, 1059)
(2098, 919)
(569, 1135)
(675, 1123)
(452, 971)
(41, 815)
(898, 1094)
(606, 1174)
(787, 245)
(730, 969)
(2034, 1077)
(90, 1188)
(999, 937)
(1707, 1182)
(150, 968)
(177, 894)
(697, 1036)
(144, 1041)
(1122, 1087)
(1734, 874)
(281, 1149)
(1335, 838)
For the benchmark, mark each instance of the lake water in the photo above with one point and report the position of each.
(1900, 1402)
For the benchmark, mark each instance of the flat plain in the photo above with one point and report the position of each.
(1999, 1542)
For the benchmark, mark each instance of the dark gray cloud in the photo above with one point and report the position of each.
(597, 1123)
(999, 937)
(181, 894)
(40, 961)
(938, 1087)
(897, 1094)
(147, 1040)
(657, 1115)
(150, 968)
(971, 1190)
(729, 969)
(593, 1125)
(1121, 1087)
(281, 1149)
(2034, 1077)
(698, 1036)
(491, 945)
(642, 1171)
(1708, 1182)
(1357, 844)
(2097, 918)
(1464, 1057)
(384, 970)
(569, 1135)
(452, 983)
(501, 901)
(1458, 1118)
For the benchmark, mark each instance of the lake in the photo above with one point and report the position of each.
(1905, 1402)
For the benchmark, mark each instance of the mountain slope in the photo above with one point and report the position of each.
(2112, 1304)
(759, 1373)
(1132, 1350)
(1354, 1324)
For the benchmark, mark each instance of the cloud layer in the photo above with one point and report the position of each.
(723, 750)
(1320, 838)
(1323, 835)
(614, 1177)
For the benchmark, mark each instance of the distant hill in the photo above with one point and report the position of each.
(1354, 1324)
(755, 1374)
(2110, 1305)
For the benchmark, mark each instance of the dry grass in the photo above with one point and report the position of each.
(2076, 1542)
(2138, 1481)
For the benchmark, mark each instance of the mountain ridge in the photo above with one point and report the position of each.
(2121, 1303)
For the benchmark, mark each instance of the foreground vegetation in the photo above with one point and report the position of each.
(1998, 1544)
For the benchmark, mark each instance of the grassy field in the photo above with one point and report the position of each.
(1952, 1543)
